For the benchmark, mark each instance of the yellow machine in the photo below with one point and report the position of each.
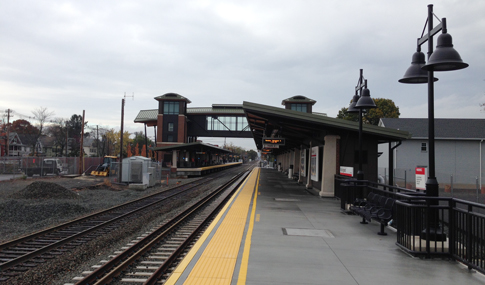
(106, 168)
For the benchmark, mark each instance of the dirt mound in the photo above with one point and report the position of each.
(45, 190)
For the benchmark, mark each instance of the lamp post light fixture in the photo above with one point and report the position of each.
(361, 102)
(445, 58)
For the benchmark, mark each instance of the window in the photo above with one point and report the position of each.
(299, 107)
(170, 108)
(170, 127)
(235, 123)
(170, 138)
(424, 147)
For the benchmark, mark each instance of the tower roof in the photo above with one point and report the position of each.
(172, 96)
(298, 99)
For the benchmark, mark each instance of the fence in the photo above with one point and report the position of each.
(465, 187)
(47, 165)
(429, 226)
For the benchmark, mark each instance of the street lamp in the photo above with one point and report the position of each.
(445, 58)
(361, 102)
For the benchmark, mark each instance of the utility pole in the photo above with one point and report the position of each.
(7, 152)
(81, 149)
(97, 141)
(121, 133)
(121, 137)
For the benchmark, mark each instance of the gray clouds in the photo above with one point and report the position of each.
(75, 55)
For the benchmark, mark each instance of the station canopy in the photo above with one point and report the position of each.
(192, 147)
(299, 128)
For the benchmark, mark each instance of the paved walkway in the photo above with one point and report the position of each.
(293, 237)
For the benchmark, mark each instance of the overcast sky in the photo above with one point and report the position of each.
(71, 56)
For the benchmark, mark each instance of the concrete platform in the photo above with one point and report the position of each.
(198, 171)
(290, 236)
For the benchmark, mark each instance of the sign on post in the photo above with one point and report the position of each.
(421, 177)
(347, 171)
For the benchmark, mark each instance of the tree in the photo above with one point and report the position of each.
(385, 109)
(139, 142)
(41, 115)
(58, 132)
(128, 151)
(252, 154)
(23, 127)
(111, 140)
(74, 131)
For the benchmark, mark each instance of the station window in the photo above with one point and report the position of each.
(170, 127)
(299, 107)
(424, 147)
(226, 123)
(170, 108)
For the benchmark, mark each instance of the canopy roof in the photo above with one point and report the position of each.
(299, 128)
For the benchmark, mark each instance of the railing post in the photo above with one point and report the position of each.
(452, 227)
(451, 185)
(478, 190)
(469, 258)
(428, 225)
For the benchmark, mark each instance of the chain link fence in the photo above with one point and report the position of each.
(45, 166)
(466, 187)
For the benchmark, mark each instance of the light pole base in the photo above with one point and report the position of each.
(435, 234)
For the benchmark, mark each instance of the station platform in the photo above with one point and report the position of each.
(273, 231)
(198, 171)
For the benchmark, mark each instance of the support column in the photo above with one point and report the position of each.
(309, 161)
(329, 166)
(173, 170)
(291, 164)
(300, 177)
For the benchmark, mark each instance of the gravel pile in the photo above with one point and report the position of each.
(27, 206)
(45, 190)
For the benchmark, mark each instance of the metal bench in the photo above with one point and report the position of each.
(376, 207)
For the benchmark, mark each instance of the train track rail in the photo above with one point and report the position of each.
(150, 259)
(20, 255)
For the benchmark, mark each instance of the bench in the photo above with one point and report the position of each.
(376, 207)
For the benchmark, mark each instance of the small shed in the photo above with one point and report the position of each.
(135, 168)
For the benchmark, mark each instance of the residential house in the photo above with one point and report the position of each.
(90, 147)
(458, 150)
(19, 144)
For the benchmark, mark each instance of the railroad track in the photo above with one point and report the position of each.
(21, 255)
(152, 257)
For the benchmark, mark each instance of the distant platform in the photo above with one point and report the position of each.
(199, 171)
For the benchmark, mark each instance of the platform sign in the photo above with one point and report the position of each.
(421, 173)
(347, 171)
(267, 145)
(314, 164)
(274, 141)
(303, 162)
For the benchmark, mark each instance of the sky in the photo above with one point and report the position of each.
(70, 56)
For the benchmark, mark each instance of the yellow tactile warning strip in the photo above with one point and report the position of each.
(217, 263)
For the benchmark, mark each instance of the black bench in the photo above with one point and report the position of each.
(376, 207)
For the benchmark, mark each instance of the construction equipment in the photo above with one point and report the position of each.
(107, 168)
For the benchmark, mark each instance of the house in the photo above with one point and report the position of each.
(46, 146)
(459, 154)
(19, 144)
(90, 147)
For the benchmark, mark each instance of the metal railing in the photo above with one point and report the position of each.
(427, 226)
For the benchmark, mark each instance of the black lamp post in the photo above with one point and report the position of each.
(361, 102)
(445, 58)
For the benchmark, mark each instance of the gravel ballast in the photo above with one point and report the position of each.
(30, 205)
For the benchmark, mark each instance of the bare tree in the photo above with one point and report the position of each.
(41, 115)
